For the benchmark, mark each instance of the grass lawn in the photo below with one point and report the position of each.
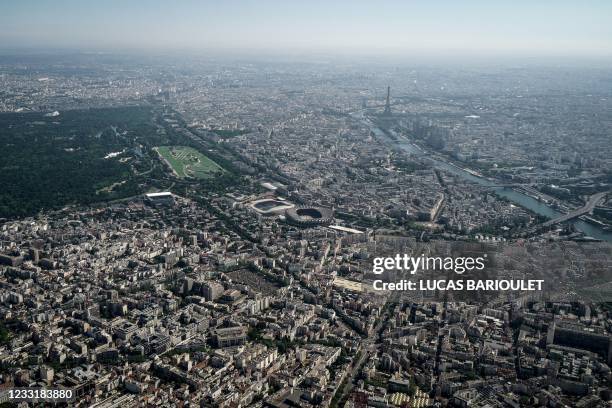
(188, 162)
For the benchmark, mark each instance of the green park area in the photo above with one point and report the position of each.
(79, 157)
(188, 162)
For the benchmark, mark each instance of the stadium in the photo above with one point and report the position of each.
(305, 216)
(271, 206)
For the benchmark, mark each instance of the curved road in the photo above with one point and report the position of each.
(587, 208)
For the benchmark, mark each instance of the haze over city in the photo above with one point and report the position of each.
(556, 28)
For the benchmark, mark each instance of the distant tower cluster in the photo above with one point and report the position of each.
(387, 111)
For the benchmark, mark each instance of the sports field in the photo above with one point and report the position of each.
(188, 162)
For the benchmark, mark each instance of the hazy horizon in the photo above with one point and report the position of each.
(545, 29)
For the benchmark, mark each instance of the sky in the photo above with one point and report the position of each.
(534, 27)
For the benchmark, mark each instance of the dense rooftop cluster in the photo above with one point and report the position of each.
(253, 286)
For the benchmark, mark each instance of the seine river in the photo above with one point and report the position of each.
(514, 196)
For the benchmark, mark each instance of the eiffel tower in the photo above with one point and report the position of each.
(387, 111)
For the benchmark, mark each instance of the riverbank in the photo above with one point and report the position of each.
(521, 199)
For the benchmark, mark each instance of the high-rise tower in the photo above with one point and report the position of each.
(387, 111)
